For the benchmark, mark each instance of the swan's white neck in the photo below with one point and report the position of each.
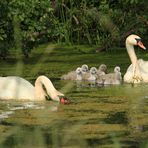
(131, 53)
(133, 58)
(40, 93)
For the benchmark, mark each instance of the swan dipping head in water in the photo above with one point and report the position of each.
(14, 87)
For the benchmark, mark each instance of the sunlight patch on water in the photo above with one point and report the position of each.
(27, 105)
(5, 114)
(10, 108)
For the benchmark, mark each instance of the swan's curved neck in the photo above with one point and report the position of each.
(39, 91)
(50, 90)
(131, 53)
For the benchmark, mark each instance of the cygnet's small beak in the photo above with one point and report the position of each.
(140, 44)
(64, 100)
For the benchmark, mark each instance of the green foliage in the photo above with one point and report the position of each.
(103, 23)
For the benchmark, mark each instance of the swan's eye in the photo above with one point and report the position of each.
(137, 39)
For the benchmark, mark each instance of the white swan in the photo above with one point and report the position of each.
(14, 87)
(138, 71)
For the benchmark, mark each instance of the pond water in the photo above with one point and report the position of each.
(98, 116)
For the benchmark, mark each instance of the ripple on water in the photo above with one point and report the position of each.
(5, 114)
(10, 109)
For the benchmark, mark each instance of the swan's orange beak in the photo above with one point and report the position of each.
(64, 100)
(140, 44)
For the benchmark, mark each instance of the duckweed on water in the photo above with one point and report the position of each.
(106, 117)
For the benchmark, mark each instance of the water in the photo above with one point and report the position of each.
(106, 117)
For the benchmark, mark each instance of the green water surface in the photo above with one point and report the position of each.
(98, 116)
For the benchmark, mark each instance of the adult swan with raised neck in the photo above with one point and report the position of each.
(138, 71)
(14, 87)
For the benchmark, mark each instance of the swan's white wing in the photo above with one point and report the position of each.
(14, 87)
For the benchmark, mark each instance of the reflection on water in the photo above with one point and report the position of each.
(108, 117)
